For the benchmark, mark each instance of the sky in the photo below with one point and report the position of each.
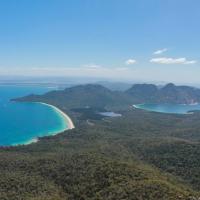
(126, 40)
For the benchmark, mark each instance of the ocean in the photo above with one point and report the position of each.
(22, 123)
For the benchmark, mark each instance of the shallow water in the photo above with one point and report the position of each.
(21, 123)
(169, 108)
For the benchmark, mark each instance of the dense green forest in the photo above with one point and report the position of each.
(170, 93)
(139, 156)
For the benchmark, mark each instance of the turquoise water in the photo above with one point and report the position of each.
(20, 123)
(169, 108)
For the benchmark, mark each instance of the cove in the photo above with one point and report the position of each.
(23, 123)
(169, 108)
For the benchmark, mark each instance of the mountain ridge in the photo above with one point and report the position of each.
(170, 93)
(96, 95)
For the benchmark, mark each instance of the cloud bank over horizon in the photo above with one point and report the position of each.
(136, 40)
(130, 74)
(130, 70)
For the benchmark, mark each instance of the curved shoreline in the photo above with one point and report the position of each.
(69, 122)
(189, 112)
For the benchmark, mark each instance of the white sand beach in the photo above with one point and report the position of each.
(70, 124)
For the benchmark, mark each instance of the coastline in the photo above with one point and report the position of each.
(135, 106)
(69, 122)
(189, 112)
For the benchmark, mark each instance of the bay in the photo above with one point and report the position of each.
(22, 123)
(169, 108)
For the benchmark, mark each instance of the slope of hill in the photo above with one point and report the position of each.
(143, 92)
(115, 86)
(138, 156)
(90, 95)
(170, 93)
(93, 95)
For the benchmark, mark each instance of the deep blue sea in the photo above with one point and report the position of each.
(21, 123)
(169, 108)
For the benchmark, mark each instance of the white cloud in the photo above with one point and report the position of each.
(130, 62)
(92, 66)
(165, 60)
(160, 51)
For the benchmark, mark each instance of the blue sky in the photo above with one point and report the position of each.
(139, 40)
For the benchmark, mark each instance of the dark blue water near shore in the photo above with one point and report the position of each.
(21, 123)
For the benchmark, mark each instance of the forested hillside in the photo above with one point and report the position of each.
(83, 96)
(98, 96)
(170, 93)
(139, 156)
